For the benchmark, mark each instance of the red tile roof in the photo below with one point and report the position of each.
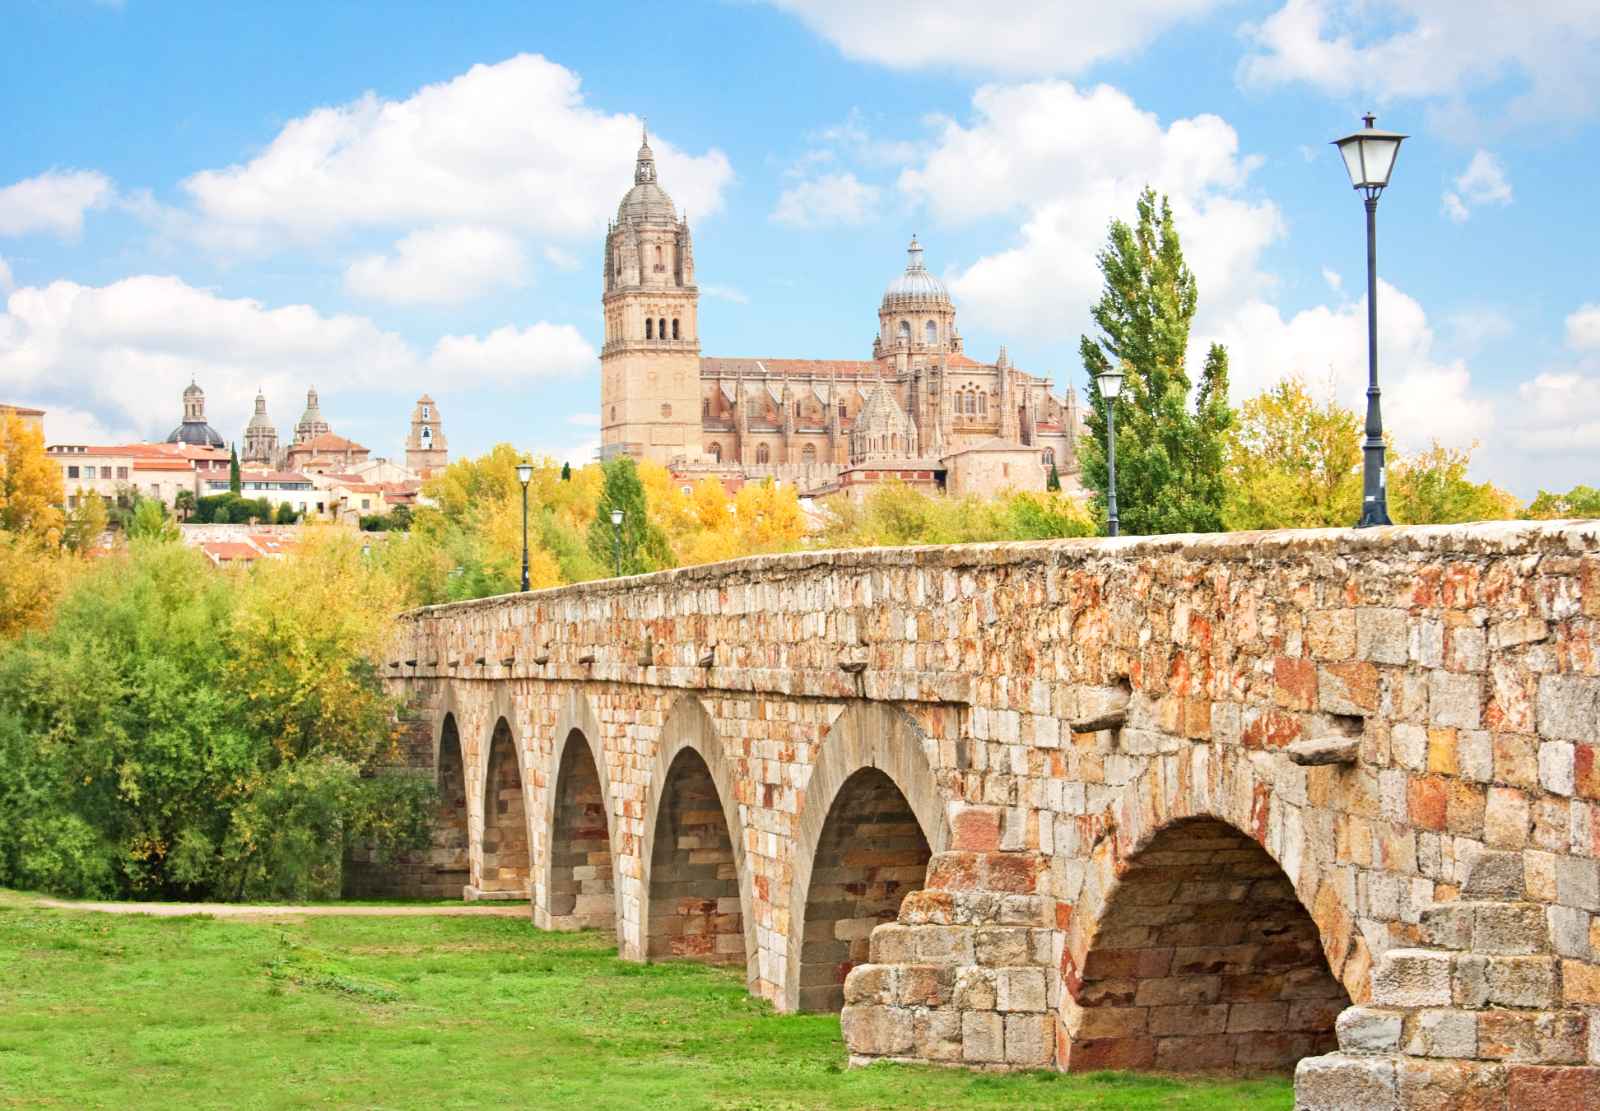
(162, 465)
(326, 441)
(230, 551)
(20, 410)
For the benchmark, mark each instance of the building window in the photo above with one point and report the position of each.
(983, 404)
(649, 328)
(762, 454)
(425, 414)
(715, 451)
(843, 412)
(427, 435)
(797, 410)
(666, 410)
(72, 472)
(905, 330)
(705, 406)
(122, 474)
(808, 454)
(661, 328)
(930, 333)
(1049, 456)
(613, 417)
(674, 327)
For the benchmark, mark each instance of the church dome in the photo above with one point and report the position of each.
(196, 432)
(258, 419)
(646, 202)
(916, 285)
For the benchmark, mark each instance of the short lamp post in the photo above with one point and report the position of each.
(1110, 381)
(1369, 156)
(524, 476)
(616, 533)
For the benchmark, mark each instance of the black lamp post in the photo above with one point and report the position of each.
(616, 533)
(1369, 155)
(1110, 381)
(524, 474)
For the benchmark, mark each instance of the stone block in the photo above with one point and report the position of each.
(892, 943)
(1450, 1085)
(936, 1035)
(1382, 635)
(1020, 989)
(1494, 875)
(1412, 978)
(870, 984)
(1336, 1082)
(975, 989)
(923, 985)
(876, 1031)
(1331, 634)
(1523, 982)
(1348, 688)
(983, 1038)
(1030, 1040)
(1531, 1088)
(1535, 1037)
(1455, 700)
(1447, 925)
(1558, 767)
(1509, 928)
(1113, 1022)
(1442, 1034)
(1569, 932)
(1578, 882)
(1000, 945)
(1368, 1030)
(1188, 1020)
(975, 828)
(1568, 707)
(1580, 983)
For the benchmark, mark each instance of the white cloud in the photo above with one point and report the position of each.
(1482, 182)
(512, 145)
(54, 202)
(1067, 162)
(1583, 328)
(439, 266)
(1046, 36)
(1334, 279)
(561, 259)
(126, 350)
(726, 293)
(586, 420)
(1446, 50)
(512, 354)
(826, 201)
(7, 282)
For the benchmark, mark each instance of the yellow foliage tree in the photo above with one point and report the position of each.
(1432, 488)
(30, 482)
(32, 576)
(1293, 462)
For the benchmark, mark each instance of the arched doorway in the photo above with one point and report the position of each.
(505, 825)
(581, 895)
(872, 853)
(452, 841)
(694, 881)
(1204, 959)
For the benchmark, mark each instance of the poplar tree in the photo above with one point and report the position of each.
(642, 545)
(1170, 449)
(235, 486)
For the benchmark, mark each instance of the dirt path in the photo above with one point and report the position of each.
(245, 910)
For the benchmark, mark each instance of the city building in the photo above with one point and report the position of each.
(194, 429)
(31, 418)
(427, 451)
(260, 437)
(919, 410)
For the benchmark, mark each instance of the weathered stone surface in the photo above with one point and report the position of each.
(1412, 978)
(1340, 1083)
(1368, 1030)
(1325, 750)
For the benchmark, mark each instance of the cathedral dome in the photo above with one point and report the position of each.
(258, 419)
(916, 285)
(646, 202)
(198, 433)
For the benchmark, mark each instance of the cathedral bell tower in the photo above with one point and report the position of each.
(650, 361)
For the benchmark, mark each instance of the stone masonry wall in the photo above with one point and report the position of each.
(1375, 712)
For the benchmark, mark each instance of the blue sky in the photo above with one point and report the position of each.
(384, 199)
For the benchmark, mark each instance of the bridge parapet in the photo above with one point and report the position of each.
(1252, 773)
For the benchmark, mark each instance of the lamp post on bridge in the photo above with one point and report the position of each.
(616, 533)
(524, 475)
(1110, 381)
(1369, 156)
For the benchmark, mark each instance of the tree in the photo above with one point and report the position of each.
(235, 486)
(30, 482)
(150, 522)
(1432, 488)
(1580, 501)
(566, 472)
(1294, 462)
(642, 545)
(184, 504)
(1053, 483)
(84, 524)
(286, 514)
(1169, 453)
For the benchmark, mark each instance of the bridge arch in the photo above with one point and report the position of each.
(689, 754)
(452, 830)
(871, 754)
(506, 859)
(577, 793)
(1193, 947)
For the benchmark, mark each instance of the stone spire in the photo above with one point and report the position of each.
(260, 437)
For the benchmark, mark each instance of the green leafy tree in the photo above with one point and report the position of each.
(1053, 483)
(1170, 448)
(84, 524)
(286, 514)
(1432, 488)
(235, 486)
(1580, 502)
(566, 472)
(150, 522)
(1294, 462)
(183, 503)
(638, 545)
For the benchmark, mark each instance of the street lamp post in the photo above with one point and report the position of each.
(1110, 381)
(1369, 156)
(524, 474)
(616, 533)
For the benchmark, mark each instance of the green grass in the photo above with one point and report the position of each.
(128, 1012)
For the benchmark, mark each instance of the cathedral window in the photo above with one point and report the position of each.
(905, 331)
(715, 451)
(808, 454)
(930, 333)
(661, 328)
(649, 328)
(674, 327)
(983, 403)
(762, 454)
(1049, 456)
(427, 435)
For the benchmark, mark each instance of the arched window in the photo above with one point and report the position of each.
(1049, 456)
(674, 327)
(905, 330)
(808, 454)
(762, 454)
(659, 262)
(930, 333)
(661, 328)
(649, 328)
(843, 412)
(427, 435)
(705, 406)
(983, 403)
(715, 451)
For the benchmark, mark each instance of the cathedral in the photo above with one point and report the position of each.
(920, 410)
(317, 449)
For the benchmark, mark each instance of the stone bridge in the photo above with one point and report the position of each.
(1225, 802)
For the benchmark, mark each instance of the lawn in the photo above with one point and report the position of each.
(109, 1011)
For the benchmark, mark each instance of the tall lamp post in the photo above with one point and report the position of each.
(524, 475)
(1369, 155)
(1110, 382)
(616, 533)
